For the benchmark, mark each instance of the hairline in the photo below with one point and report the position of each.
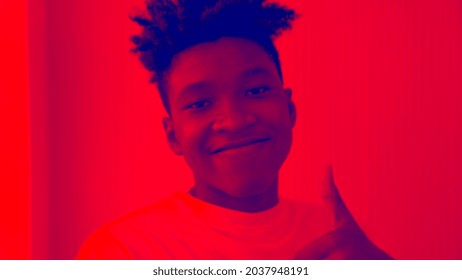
(162, 81)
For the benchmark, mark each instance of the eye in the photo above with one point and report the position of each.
(257, 92)
(197, 105)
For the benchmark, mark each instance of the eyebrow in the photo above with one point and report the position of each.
(194, 87)
(256, 72)
(204, 85)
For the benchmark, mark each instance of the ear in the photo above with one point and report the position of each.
(292, 110)
(171, 137)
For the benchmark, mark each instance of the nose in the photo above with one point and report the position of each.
(233, 118)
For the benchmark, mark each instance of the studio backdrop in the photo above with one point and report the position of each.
(377, 87)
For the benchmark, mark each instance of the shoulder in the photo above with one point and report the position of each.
(311, 208)
(123, 237)
(102, 244)
(310, 219)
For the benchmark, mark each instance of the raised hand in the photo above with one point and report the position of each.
(347, 241)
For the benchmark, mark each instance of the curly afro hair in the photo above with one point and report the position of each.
(171, 26)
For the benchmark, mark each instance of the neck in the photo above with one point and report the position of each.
(250, 204)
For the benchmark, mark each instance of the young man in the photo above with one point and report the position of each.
(231, 118)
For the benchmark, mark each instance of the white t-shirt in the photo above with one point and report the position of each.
(184, 227)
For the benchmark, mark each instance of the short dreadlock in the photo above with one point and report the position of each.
(170, 27)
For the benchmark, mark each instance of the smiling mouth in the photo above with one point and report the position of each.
(240, 144)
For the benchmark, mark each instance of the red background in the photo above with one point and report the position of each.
(376, 84)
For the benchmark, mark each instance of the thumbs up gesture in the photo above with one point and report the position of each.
(347, 241)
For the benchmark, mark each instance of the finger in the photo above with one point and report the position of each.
(318, 249)
(341, 243)
(325, 246)
(333, 199)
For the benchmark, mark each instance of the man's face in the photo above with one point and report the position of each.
(231, 118)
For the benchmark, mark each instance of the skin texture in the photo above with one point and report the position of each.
(232, 120)
(347, 241)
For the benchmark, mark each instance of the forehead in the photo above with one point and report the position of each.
(223, 61)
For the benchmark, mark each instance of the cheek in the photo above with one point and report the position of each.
(191, 136)
(276, 114)
(278, 119)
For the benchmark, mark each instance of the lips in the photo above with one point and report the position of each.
(239, 144)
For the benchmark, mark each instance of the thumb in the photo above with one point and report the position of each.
(331, 196)
(328, 246)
